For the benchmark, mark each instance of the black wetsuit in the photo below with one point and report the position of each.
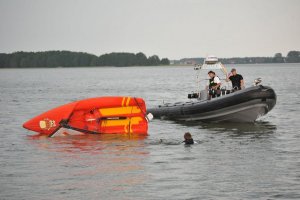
(236, 81)
(189, 141)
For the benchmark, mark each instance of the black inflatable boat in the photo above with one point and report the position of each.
(240, 106)
(245, 105)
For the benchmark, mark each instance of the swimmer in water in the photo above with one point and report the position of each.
(188, 138)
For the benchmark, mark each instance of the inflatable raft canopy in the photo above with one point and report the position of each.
(105, 115)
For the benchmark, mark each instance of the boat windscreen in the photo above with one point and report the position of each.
(212, 66)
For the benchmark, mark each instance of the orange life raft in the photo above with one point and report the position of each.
(107, 115)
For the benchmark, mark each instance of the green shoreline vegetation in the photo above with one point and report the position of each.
(76, 59)
(292, 57)
(80, 59)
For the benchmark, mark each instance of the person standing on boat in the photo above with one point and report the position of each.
(237, 80)
(214, 84)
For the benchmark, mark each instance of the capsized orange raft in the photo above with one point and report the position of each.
(107, 115)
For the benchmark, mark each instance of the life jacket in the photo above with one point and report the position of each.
(212, 83)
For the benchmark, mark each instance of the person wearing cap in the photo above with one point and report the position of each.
(237, 80)
(214, 83)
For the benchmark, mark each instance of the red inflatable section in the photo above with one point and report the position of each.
(107, 115)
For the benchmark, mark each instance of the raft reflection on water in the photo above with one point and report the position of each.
(89, 143)
(97, 158)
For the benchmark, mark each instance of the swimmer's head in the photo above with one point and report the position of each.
(187, 136)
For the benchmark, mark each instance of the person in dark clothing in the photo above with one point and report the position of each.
(188, 138)
(237, 80)
(214, 81)
(214, 84)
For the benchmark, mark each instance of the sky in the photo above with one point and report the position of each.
(168, 28)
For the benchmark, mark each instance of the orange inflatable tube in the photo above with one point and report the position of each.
(105, 115)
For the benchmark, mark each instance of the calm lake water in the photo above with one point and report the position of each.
(232, 161)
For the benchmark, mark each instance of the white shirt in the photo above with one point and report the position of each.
(217, 80)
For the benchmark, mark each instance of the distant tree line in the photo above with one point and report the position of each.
(76, 59)
(292, 57)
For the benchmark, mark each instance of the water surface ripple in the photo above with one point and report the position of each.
(231, 161)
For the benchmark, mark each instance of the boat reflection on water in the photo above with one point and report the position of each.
(256, 128)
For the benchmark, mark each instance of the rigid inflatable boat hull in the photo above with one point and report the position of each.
(242, 106)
